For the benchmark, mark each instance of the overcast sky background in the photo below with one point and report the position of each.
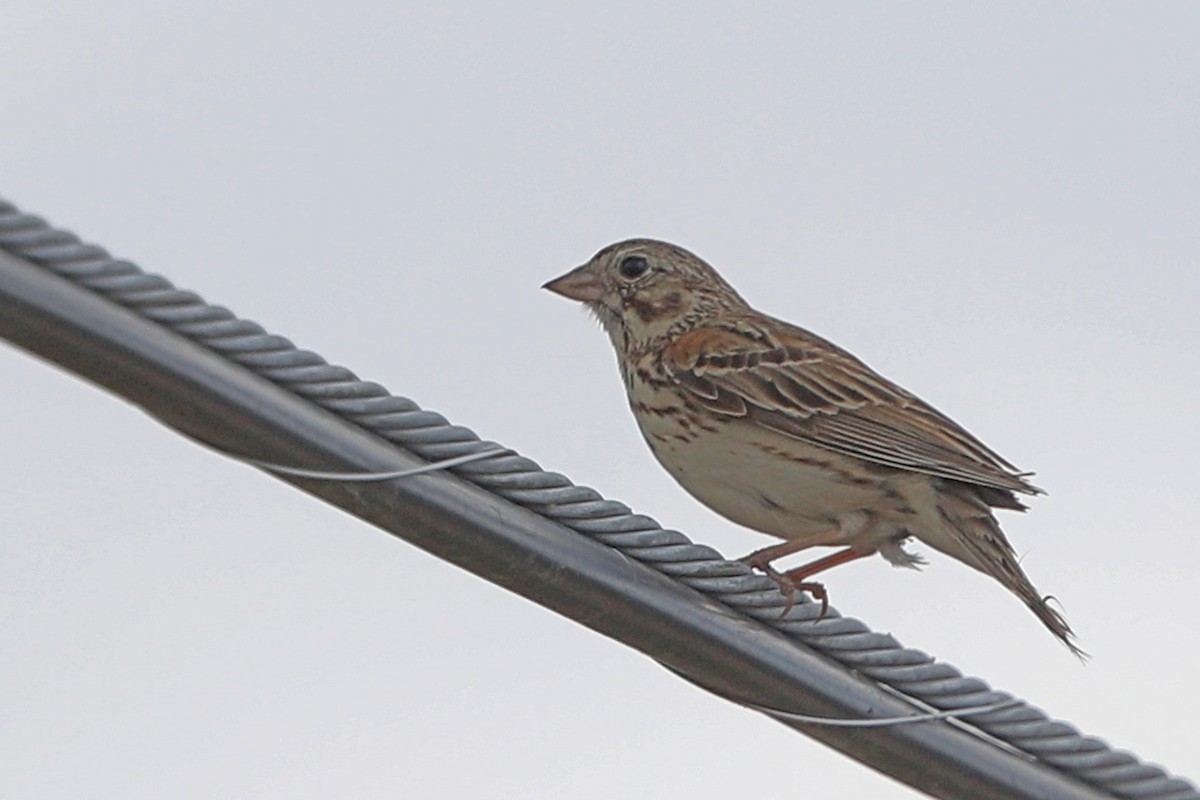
(995, 206)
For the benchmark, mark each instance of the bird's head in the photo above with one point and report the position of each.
(642, 290)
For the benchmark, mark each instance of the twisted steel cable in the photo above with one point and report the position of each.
(910, 673)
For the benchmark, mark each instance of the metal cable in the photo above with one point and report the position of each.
(910, 673)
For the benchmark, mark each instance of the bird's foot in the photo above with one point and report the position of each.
(789, 587)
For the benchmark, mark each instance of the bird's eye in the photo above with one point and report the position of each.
(633, 267)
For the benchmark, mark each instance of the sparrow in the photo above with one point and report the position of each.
(784, 432)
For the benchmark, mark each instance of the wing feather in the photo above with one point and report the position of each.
(794, 383)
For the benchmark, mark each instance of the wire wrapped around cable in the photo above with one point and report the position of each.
(847, 641)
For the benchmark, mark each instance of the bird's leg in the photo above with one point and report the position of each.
(796, 577)
(828, 562)
(761, 560)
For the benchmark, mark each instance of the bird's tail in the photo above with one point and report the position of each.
(977, 540)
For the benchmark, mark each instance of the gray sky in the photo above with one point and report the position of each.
(994, 206)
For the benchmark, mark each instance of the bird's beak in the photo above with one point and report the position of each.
(578, 284)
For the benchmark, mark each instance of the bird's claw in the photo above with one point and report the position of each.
(789, 587)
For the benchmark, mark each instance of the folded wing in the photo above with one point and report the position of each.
(794, 383)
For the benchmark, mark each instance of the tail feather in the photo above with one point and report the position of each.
(974, 537)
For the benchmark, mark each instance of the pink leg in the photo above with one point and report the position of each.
(761, 559)
(828, 562)
(796, 577)
(793, 580)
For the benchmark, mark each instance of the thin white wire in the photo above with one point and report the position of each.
(883, 722)
(432, 466)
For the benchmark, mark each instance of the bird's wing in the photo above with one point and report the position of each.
(790, 381)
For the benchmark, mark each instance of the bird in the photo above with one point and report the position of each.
(785, 433)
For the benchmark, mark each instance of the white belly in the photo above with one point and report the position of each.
(788, 488)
